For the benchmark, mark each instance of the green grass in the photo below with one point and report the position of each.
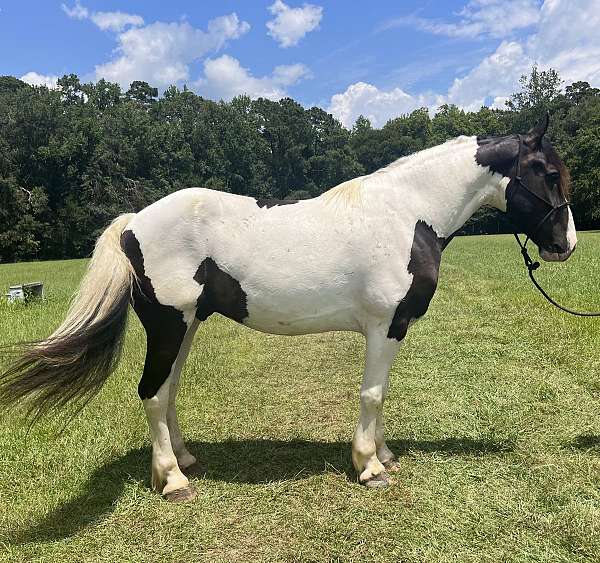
(493, 411)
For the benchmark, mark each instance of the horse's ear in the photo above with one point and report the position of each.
(534, 136)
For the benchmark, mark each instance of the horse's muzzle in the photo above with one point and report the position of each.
(548, 256)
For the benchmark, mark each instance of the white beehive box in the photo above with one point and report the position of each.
(25, 292)
(15, 293)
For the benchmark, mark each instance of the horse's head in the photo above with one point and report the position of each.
(536, 194)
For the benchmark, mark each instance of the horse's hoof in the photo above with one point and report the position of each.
(379, 481)
(182, 495)
(194, 470)
(392, 466)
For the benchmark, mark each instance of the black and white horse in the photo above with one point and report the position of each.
(362, 257)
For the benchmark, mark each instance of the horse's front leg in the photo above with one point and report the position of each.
(368, 441)
(384, 454)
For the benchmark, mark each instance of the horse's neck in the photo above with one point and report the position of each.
(443, 185)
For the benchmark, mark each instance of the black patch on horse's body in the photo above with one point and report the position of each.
(164, 325)
(221, 293)
(131, 248)
(424, 265)
(446, 241)
(273, 202)
(498, 153)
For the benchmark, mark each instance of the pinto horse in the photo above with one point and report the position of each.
(362, 257)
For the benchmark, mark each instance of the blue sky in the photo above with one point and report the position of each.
(377, 58)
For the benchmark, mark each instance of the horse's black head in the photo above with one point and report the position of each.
(536, 195)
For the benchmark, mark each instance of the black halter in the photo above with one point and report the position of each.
(552, 209)
(518, 183)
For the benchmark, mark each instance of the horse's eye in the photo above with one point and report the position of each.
(553, 177)
(538, 167)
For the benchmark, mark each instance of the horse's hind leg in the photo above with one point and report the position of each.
(166, 332)
(185, 459)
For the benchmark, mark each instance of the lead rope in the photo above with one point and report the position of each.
(531, 267)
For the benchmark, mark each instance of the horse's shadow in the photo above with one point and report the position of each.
(233, 461)
(586, 442)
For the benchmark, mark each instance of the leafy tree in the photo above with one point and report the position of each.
(579, 92)
(538, 90)
(364, 141)
(10, 85)
(70, 88)
(142, 93)
(103, 94)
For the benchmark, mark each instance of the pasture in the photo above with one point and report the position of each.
(494, 411)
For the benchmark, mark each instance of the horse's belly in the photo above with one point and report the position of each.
(289, 316)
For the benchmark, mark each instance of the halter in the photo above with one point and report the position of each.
(529, 263)
(519, 183)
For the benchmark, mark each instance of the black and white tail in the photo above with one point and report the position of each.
(74, 362)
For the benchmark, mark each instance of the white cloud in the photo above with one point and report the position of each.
(496, 76)
(224, 78)
(111, 21)
(116, 21)
(161, 53)
(36, 79)
(375, 104)
(291, 24)
(77, 12)
(497, 18)
(566, 38)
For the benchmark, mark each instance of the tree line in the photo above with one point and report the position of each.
(73, 158)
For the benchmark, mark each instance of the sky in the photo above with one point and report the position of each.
(380, 58)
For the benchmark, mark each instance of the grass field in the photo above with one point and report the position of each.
(493, 410)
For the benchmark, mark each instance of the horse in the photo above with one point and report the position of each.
(363, 256)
